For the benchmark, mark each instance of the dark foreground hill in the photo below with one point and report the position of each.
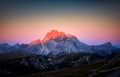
(104, 68)
(13, 55)
(38, 63)
(70, 65)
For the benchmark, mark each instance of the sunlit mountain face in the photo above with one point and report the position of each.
(92, 22)
(54, 34)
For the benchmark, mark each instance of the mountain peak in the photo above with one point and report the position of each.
(53, 34)
(54, 31)
(107, 44)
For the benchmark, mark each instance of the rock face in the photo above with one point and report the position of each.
(59, 43)
(56, 43)
(53, 35)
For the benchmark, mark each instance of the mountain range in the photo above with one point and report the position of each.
(59, 43)
(57, 53)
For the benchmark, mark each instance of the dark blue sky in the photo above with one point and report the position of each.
(8, 7)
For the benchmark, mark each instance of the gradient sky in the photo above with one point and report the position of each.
(91, 22)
